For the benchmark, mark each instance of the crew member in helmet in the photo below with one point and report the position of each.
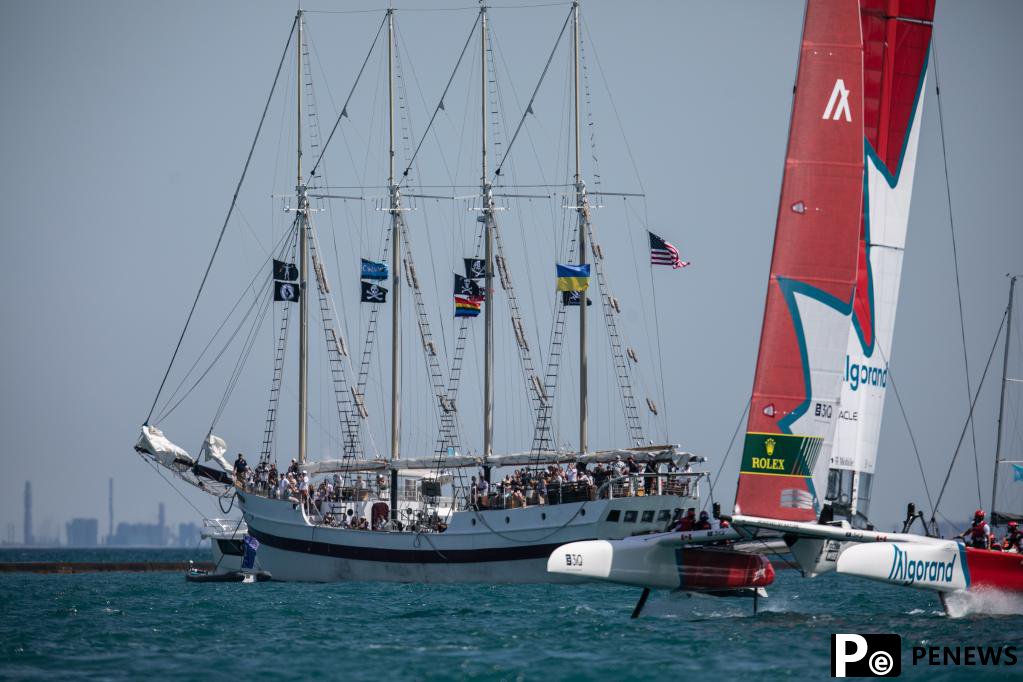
(1013, 538)
(979, 533)
(704, 522)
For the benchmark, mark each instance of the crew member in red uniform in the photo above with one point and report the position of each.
(704, 522)
(687, 522)
(979, 533)
(1013, 538)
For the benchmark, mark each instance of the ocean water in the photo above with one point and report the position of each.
(155, 625)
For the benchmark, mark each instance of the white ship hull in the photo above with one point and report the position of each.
(225, 538)
(495, 546)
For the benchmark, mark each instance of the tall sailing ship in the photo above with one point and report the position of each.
(444, 516)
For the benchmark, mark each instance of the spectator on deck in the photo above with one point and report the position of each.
(240, 467)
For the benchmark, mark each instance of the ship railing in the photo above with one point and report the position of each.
(680, 484)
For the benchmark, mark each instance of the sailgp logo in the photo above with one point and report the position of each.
(908, 571)
(839, 97)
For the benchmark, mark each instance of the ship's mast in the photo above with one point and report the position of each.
(582, 207)
(488, 226)
(395, 253)
(303, 257)
(1001, 400)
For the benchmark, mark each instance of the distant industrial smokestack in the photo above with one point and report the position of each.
(110, 510)
(29, 539)
(162, 523)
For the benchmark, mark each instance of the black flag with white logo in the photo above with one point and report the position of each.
(573, 298)
(285, 271)
(373, 293)
(468, 288)
(475, 268)
(286, 291)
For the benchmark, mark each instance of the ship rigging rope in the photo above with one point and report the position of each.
(171, 484)
(344, 109)
(644, 219)
(955, 259)
(167, 408)
(532, 98)
(534, 540)
(728, 451)
(969, 417)
(227, 219)
(905, 418)
(440, 102)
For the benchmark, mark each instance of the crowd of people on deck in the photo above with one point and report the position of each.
(295, 485)
(979, 535)
(553, 484)
(576, 482)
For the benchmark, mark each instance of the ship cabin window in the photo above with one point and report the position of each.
(664, 515)
(614, 515)
(840, 483)
(630, 516)
(863, 493)
(648, 516)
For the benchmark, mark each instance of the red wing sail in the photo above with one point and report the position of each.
(813, 271)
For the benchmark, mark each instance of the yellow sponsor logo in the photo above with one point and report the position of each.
(768, 464)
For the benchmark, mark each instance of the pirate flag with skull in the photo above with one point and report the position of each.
(373, 293)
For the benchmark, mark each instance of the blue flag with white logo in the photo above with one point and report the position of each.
(372, 269)
(1017, 473)
(251, 544)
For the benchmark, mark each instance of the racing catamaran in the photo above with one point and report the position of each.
(818, 396)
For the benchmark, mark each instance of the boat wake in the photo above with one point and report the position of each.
(695, 606)
(983, 602)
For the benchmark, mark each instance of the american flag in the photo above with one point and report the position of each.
(664, 253)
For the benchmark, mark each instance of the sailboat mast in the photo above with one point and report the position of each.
(395, 254)
(488, 218)
(303, 257)
(581, 207)
(1001, 399)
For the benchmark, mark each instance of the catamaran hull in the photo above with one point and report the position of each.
(498, 546)
(667, 561)
(943, 567)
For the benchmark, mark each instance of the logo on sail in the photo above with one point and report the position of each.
(839, 97)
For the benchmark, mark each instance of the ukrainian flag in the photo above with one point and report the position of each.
(573, 277)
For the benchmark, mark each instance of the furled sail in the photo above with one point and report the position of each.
(813, 270)
(896, 41)
(153, 443)
(216, 480)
